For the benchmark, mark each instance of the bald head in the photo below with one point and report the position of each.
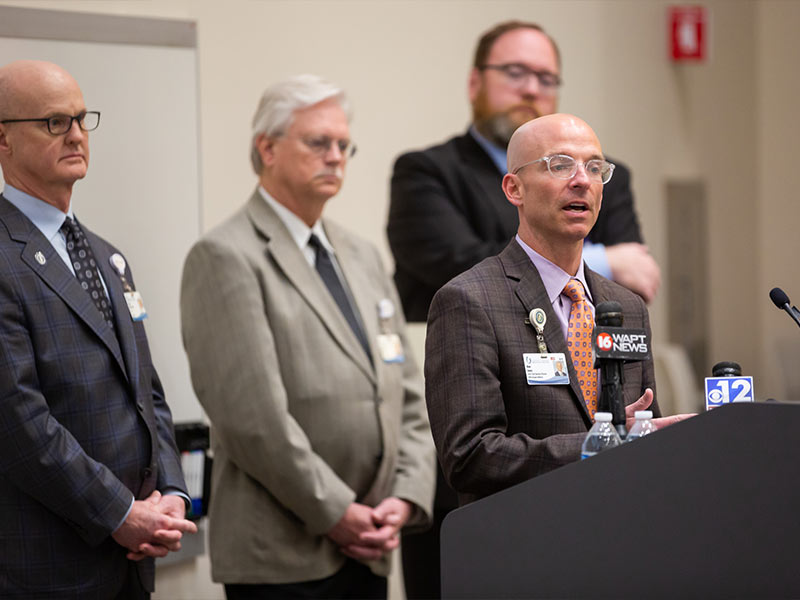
(33, 159)
(25, 84)
(557, 209)
(547, 135)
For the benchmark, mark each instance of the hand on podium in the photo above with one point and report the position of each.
(644, 403)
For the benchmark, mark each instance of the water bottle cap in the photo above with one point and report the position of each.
(602, 417)
(643, 414)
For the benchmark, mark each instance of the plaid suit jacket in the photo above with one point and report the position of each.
(83, 423)
(492, 430)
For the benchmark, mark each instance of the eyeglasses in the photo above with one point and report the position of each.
(519, 75)
(61, 124)
(563, 166)
(321, 145)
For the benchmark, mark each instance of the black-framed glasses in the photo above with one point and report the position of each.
(320, 145)
(518, 75)
(563, 166)
(61, 124)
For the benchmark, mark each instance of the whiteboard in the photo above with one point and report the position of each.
(142, 191)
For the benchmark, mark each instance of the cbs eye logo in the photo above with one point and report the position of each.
(716, 396)
(604, 341)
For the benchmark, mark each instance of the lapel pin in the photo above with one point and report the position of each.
(40, 257)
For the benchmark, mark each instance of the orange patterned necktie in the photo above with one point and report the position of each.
(579, 342)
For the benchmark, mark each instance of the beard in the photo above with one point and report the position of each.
(499, 126)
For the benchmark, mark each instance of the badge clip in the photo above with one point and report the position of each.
(538, 318)
(389, 343)
(132, 298)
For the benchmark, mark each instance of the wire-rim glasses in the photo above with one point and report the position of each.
(563, 166)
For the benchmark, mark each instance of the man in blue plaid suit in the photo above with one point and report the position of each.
(90, 480)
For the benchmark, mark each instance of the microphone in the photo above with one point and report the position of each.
(727, 385)
(781, 300)
(726, 369)
(614, 345)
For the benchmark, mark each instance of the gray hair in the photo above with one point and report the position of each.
(279, 102)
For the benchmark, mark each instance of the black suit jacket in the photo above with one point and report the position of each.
(493, 430)
(448, 212)
(84, 427)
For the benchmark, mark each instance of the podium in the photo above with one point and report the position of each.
(706, 508)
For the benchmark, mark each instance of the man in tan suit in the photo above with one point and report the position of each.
(298, 353)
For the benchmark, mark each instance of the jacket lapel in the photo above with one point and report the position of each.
(597, 286)
(361, 288)
(284, 251)
(486, 175)
(126, 336)
(40, 256)
(532, 294)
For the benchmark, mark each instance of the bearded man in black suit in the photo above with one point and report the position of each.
(447, 209)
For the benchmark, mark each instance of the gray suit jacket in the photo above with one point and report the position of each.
(302, 423)
(83, 422)
(493, 430)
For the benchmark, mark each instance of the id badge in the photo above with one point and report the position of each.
(391, 348)
(135, 305)
(546, 369)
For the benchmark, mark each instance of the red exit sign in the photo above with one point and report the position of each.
(688, 33)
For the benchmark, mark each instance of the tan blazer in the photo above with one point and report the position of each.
(302, 423)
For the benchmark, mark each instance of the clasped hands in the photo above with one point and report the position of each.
(154, 527)
(366, 533)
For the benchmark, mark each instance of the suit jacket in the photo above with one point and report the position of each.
(303, 424)
(83, 423)
(493, 430)
(448, 212)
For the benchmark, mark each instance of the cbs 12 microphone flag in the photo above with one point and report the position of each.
(726, 390)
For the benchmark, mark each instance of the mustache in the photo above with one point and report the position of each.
(525, 105)
(337, 172)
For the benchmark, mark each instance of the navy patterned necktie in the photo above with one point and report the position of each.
(85, 265)
(327, 271)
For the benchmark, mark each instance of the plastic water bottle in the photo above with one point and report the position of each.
(643, 425)
(601, 436)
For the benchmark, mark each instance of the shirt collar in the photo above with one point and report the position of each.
(554, 277)
(46, 217)
(299, 231)
(496, 153)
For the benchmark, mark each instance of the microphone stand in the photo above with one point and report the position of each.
(793, 312)
(609, 314)
(611, 398)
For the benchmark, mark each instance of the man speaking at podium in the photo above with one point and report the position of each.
(495, 421)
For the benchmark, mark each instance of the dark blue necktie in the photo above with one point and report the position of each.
(328, 273)
(85, 266)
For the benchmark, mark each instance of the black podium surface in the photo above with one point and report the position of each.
(706, 508)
